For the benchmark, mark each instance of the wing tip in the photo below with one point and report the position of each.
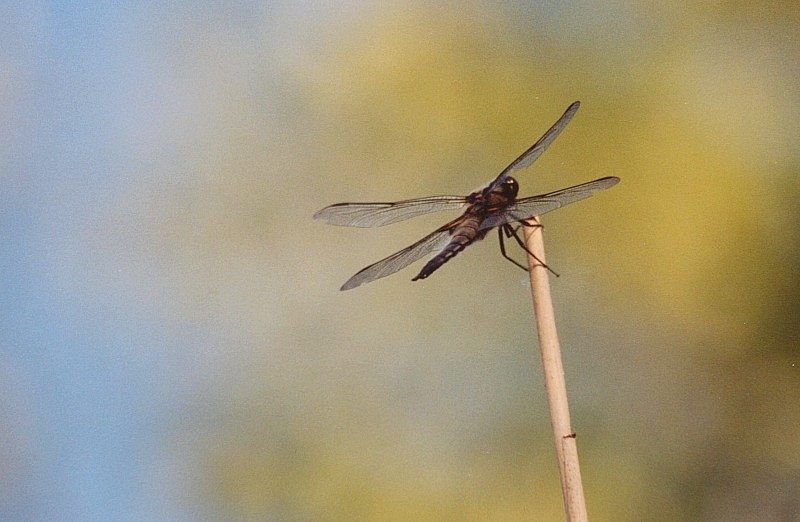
(351, 283)
(325, 213)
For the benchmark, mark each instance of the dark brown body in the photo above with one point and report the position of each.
(465, 230)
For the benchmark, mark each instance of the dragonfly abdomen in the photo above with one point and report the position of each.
(464, 234)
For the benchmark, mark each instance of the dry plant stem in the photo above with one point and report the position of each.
(566, 446)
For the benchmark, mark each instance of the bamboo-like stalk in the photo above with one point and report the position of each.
(566, 446)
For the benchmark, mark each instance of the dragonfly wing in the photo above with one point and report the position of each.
(526, 208)
(430, 243)
(536, 150)
(380, 214)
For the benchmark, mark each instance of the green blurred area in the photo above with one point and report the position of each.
(677, 305)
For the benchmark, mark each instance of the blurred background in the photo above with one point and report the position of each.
(173, 343)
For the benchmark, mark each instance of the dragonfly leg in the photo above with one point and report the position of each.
(522, 244)
(531, 224)
(503, 246)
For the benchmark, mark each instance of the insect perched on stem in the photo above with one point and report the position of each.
(494, 206)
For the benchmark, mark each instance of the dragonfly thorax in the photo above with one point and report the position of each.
(494, 196)
(505, 191)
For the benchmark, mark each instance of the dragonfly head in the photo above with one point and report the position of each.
(509, 188)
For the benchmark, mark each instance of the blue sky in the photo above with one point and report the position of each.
(87, 400)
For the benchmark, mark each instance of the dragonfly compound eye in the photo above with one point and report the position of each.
(510, 187)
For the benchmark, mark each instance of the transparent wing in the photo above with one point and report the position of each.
(536, 150)
(537, 205)
(380, 214)
(432, 242)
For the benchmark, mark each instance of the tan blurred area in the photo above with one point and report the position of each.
(678, 298)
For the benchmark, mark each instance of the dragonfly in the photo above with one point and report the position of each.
(492, 206)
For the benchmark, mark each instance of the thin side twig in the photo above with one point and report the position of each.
(566, 445)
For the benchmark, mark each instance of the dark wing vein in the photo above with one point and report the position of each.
(537, 205)
(380, 214)
(536, 150)
(434, 241)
